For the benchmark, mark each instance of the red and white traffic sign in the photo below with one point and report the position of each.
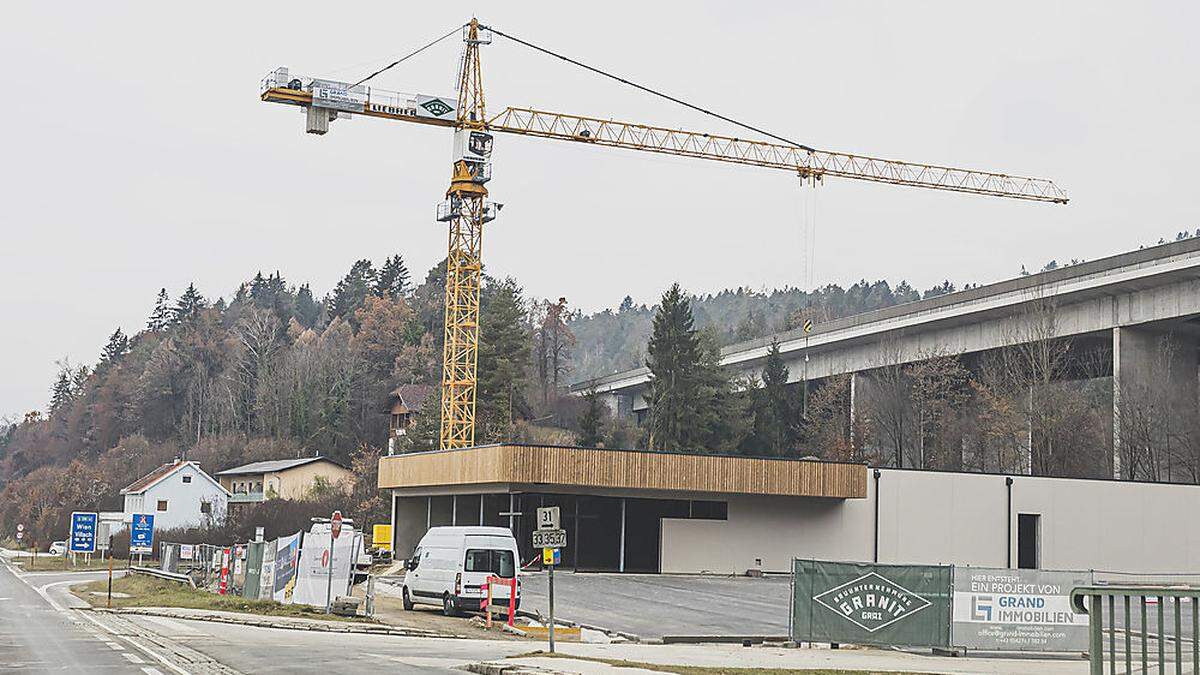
(335, 524)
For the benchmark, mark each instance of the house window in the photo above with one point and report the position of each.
(162, 505)
(206, 508)
(187, 479)
(258, 486)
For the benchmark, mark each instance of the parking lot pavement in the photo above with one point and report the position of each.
(654, 606)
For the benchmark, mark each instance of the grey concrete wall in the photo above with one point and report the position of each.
(932, 518)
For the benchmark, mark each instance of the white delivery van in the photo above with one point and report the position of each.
(450, 567)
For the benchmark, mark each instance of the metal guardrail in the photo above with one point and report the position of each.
(171, 576)
(1130, 616)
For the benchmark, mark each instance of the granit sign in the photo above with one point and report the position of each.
(872, 602)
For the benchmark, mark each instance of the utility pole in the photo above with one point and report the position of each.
(108, 603)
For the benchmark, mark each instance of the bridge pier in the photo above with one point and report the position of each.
(1156, 373)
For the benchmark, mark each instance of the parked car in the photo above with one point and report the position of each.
(58, 548)
(450, 567)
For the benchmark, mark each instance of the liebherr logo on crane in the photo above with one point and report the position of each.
(872, 602)
(437, 107)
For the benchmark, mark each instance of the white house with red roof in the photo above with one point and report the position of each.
(178, 494)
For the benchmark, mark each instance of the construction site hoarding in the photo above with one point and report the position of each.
(871, 604)
(1000, 609)
(287, 558)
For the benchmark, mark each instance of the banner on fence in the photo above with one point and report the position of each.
(312, 579)
(871, 604)
(287, 555)
(266, 580)
(1017, 610)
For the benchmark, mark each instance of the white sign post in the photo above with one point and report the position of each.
(549, 537)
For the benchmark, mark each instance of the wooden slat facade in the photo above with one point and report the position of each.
(551, 466)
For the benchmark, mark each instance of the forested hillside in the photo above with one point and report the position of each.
(277, 371)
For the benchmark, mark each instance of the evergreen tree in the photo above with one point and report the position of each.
(626, 304)
(393, 278)
(63, 391)
(590, 420)
(160, 316)
(190, 304)
(117, 345)
(673, 357)
(503, 355)
(259, 291)
(353, 289)
(307, 309)
(774, 406)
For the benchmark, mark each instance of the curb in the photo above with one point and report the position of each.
(575, 624)
(722, 639)
(285, 624)
(494, 668)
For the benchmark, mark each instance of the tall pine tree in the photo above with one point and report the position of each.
(307, 309)
(591, 433)
(353, 289)
(673, 357)
(117, 345)
(63, 391)
(393, 278)
(775, 409)
(190, 304)
(160, 316)
(503, 356)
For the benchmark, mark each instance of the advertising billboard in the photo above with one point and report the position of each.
(1018, 610)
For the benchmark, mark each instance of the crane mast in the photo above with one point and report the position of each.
(467, 209)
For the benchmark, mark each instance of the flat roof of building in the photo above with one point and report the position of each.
(545, 467)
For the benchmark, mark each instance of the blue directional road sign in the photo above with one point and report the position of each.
(83, 532)
(141, 533)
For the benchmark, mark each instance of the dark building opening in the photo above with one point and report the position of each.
(1028, 544)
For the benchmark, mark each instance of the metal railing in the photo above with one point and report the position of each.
(1167, 617)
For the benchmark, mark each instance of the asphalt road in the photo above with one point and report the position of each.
(40, 632)
(653, 606)
(36, 637)
(269, 650)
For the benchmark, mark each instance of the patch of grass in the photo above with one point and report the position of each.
(716, 670)
(147, 591)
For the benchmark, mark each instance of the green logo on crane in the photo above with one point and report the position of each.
(437, 107)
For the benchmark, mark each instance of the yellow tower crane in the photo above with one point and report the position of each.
(466, 207)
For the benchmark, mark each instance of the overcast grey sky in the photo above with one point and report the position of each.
(137, 154)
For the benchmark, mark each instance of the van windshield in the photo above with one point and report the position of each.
(493, 561)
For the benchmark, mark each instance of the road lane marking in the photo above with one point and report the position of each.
(151, 670)
(132, 658)
(114, 646)
(155, 655)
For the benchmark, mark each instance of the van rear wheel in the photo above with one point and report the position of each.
(406, 599)
(448, 608)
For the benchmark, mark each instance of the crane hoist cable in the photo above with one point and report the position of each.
(406, 57)
(649, 90)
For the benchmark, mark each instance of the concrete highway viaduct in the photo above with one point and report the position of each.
(1123, 305)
